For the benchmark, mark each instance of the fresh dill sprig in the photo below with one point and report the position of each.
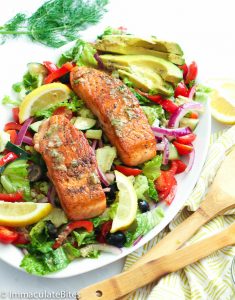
(56, 22)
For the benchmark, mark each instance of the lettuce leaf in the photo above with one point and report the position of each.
(82, 53)
(151, 168)
(152, 192)
(84, 237)
(15, 178)
(144, 223)
(141, 186)
(153, 113)
(202, 93)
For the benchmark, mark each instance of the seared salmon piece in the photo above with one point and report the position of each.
(71, 167)
(119, 113)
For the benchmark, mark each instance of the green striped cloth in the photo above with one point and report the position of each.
(210, 278)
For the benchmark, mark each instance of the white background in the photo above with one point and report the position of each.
(204, 29)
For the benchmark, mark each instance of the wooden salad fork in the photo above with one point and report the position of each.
(220, 198)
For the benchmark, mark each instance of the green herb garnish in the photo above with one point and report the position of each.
(56, 22)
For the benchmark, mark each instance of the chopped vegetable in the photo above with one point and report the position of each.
(128, 171)
(151, 168)
(66, 68)
(182, 148)
(7, 235)
(4, 139)
(192, 73)
(141, 186)
(105, 157)
(186, 139)
(16, 197)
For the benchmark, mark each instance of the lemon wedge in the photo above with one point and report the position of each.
(223, 100)
(127, 206)
(43, 97)
(22, 213)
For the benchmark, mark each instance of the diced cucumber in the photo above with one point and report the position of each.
(4, 138)
(173, 153)
(191, 123)
(35, 126)
(35, 68)
(17, 150)
(84, 123)
(94, 134)
(86, 113)
(105, 157)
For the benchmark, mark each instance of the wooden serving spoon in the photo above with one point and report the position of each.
(220, 198)
(126, 282)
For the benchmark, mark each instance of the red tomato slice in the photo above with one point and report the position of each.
(63, 110)
(180, 166)
(128, 171)
(170, 197)
(13, 135)
(186, 139)
(184, 68)
(12, 126)
(183, 149)
(192, 72)
(181, 90)
(7, 235)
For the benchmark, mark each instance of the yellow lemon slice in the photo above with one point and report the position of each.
(43, 97)
(127, 206)
(22, 213)
(223, 100)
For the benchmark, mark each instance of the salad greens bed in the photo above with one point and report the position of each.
(25, 176)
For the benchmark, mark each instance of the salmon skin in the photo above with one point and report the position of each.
(71, 167)
(119, 113)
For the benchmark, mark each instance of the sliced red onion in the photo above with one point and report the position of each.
(100, 143)
(137, 240)
(166, 151)
(160, 132)
(23, 131)
(27, 140)
(192, 92)
(110, 177)
(99, 61)
(102, 247)
(102, 176)
(182, 111)
(191, 161)
(94, 144)
(51, 195)
(160, 147)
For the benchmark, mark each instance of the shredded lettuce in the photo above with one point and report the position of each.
(73, 104)
(141, 186)
(151, 168)
(202, 93)
(39, 237)
(15, 178)
(82, 53)
(7, 100)
(84, 237)
(144, 223)
(153, 113)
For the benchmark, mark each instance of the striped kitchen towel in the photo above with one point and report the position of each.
(210, 278)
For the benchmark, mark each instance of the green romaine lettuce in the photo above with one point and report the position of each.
(15, 178)
(151, 168)
(141, 186)
(82, 53)
(144, 223)
(153, 113)
(84, 237)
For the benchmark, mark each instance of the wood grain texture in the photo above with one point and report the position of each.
(124, 283)
(220, 198)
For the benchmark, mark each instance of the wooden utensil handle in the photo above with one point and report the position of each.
(126, 282)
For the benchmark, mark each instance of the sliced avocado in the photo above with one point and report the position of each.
(105, 157)
(168, 71)
(191, 123)
(151, 43)
(148, 81)
(132, 50)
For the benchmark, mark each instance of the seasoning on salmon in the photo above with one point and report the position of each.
(119, 113)
(71, 167)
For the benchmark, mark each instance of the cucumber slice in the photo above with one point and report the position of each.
(35, 68)
(35, 126)
(105, 157)
(173, 153)
(94, 134)
(191, 123)
(84, 123)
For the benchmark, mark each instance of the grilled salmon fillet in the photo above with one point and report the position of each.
(119, 113)
(71, 167)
